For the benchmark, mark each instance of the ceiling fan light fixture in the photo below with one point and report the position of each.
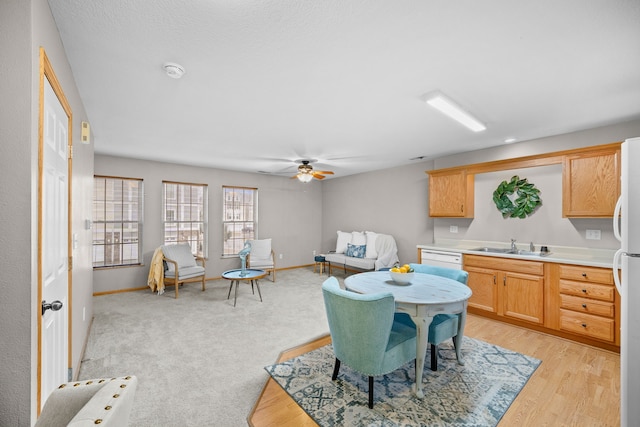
(452, 110)
(173, 70)
(305, 177)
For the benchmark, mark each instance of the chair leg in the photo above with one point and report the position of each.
(370, 392)
(177, 285)
(336, 369)
(203, 284)
(434, 357)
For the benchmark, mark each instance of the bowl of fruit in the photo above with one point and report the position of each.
(402, 275)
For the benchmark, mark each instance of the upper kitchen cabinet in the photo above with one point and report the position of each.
(591, 183)
(451, 194)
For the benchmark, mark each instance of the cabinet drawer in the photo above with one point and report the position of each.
(587, 325)
(586, 305)
(587, 274)
(505, 264)
(589, 290)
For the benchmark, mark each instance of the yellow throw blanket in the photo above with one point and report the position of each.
(156, 272)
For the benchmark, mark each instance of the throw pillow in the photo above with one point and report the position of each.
(371, 245)
(343, 239)
(358, 238)
(356, 251)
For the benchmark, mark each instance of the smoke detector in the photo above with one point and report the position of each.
(173, 70)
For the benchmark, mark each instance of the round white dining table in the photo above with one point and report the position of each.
(423, 298)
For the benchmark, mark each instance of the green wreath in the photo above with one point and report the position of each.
(527, 201)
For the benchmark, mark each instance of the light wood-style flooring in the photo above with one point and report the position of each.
(575, 385)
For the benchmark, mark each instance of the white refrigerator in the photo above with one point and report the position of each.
(626, 226)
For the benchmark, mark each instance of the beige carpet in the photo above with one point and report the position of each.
(198, 359)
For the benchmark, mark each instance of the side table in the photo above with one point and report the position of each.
(319, 262)
(250, 274)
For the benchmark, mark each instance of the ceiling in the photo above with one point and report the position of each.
(342, 82)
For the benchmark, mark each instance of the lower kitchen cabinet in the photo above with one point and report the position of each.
(588, 302)
(507, 287)
(572, 301)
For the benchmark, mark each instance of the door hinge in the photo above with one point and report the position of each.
(70, 263)
(70, 151)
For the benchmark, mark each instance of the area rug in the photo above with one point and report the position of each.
(477, 393)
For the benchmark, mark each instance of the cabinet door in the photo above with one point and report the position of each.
(523, 297)
(451, 195)
(591, 184)
(482, 282)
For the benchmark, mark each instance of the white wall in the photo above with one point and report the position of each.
(567, 141)
(16, 242)
(289, 212)
(46, 35)
(391, 201)
(395, 201)
(24, 27)
(545, 226)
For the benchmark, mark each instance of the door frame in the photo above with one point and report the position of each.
(46, 72)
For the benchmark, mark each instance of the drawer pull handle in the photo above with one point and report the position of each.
(584, 290)
(584, 325)
(584, 305)
(584, 274)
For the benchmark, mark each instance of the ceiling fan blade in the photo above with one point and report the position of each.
(324, 172)
(317, 175)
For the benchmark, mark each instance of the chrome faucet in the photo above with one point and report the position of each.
(532, 248)
(513, 245)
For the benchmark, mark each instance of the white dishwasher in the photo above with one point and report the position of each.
(441, 258)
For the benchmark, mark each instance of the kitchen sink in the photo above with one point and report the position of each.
(529, 253)
(493, 250)
(510, 251)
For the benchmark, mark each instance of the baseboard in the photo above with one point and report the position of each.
(76, 371)
(208, 279)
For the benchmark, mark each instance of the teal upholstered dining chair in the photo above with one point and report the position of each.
(364, 335)
(443, 326)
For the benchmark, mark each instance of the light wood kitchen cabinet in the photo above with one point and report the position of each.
(588, 302)
(451, 194)
(591, 183)
(507, 287)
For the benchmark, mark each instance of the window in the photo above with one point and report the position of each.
(117, 221)
(185, 213)
(240, 218)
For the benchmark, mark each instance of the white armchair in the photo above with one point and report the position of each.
(262, 257)
(107, 402)
(182, 267)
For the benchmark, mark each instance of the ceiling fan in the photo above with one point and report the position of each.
(306, 172)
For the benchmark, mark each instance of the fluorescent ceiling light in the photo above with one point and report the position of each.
(449, 108)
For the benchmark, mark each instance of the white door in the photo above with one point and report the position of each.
(54, 232)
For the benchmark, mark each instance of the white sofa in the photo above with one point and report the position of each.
(364, 250)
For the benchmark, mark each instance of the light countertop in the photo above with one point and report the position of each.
(558, 254)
